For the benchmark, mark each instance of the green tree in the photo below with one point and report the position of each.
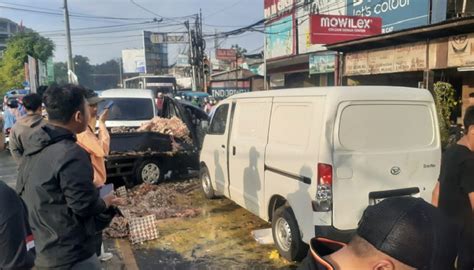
(16, 54)
(83, 70)
(444, 96)
(240, 51)
(60, 73)
(106, 75)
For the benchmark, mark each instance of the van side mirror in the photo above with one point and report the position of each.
(205, 126)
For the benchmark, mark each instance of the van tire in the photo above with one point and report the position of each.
(150, 171)
(287, 236)
(206, 184)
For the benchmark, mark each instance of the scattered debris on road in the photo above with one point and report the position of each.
(157, 200)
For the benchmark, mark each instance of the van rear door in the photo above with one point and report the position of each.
(382, 149)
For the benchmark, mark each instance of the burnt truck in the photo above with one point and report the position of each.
(146, 156)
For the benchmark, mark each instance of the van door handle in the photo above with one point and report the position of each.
(223, 146)
(233, 150)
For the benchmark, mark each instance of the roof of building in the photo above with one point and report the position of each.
(443, 29)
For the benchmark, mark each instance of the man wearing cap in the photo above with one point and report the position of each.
(97, 146)
(454, 192)
(398, 233)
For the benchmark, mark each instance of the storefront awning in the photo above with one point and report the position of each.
(444, 29)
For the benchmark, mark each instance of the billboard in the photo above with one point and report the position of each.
(133, 61)
(279, 38)
(319, 64)
(396, 14)
(327, 29)
(226, 54)
(303, 11)
(169, 39)
(156, 54)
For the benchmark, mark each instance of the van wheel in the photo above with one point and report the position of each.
(206, 184)
(150, 172)
(286, 235)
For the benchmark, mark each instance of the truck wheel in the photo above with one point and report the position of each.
(206, 184)
(286, 235)
(150, 172)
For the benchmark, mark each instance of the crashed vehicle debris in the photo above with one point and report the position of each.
(146, 143)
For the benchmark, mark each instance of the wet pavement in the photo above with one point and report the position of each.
(218, 238)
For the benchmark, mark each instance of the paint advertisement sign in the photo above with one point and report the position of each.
(133, 61)
(396, 14)
(279, 38)
(327, 29)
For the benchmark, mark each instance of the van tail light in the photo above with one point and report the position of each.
(324, 190)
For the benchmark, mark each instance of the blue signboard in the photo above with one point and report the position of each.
(396, 14)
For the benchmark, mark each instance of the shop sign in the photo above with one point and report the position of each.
(319, 64)
(460, 51)
(279, 38)
(327, 29)
(403, 58)
(226, 92)
(275, 8)
(226, 54)
(396, 14)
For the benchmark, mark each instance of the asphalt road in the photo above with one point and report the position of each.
(8, 169)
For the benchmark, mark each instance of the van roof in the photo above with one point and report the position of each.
(346, 93)
(127, 93)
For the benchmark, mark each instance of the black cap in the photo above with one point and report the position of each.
(412, 231)
(92, 97)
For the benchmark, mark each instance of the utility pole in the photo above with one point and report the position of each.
(70, 61)
(191, 56)
(265, 83)
(121, 72)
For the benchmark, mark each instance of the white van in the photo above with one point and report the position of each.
(311, 160)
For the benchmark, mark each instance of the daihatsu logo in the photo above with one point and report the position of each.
(395, 170)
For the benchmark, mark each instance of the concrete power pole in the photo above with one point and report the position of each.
(191, 56)
(70, 61)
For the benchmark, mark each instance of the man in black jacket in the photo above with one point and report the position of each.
(55, 181)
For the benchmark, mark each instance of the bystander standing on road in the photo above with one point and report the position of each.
(454, 192)
(10, 115)
(26, 125)
(397, 234)
(160, 100)
(97, 146)
(2, 134)
(16, 240)
(55, 180)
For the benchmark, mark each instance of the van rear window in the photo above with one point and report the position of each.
(386, 127)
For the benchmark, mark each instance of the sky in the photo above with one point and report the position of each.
(107, 43)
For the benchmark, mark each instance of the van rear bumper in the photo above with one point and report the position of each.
(334, 234)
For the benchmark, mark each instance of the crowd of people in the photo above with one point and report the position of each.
(60, 172)
(55, 218)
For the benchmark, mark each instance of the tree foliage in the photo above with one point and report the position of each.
(240, 51)
(16, 54)
(444, 96)
(97, 77)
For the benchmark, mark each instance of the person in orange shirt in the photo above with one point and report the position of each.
(98, 148)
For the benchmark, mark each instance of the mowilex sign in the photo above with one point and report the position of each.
(327, 29)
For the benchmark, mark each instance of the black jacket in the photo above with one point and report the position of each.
(55, 181)
(16, 249)
(318, 248)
